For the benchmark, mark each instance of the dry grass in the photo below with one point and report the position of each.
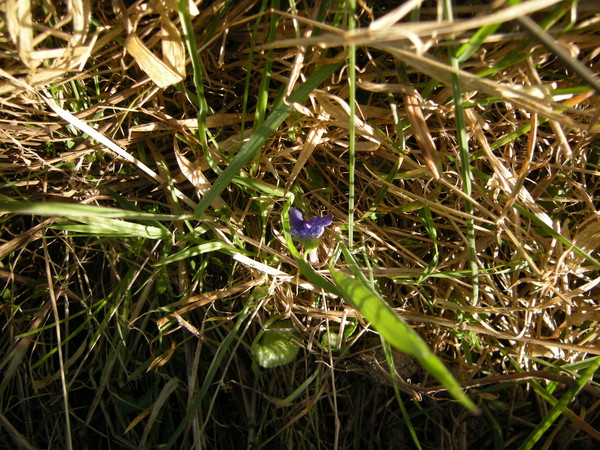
(500, 279)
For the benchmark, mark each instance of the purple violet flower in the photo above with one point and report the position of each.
(307, 229)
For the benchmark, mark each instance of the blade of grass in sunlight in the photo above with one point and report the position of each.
(263, 90)
(556, 235)
(352, 130)
(55, 209)
(250, 66)
(521, 52)
(465, 167)
(396, 332)
(199, 249)
(478, 38)
(391, 326)
(111, 228)
(549, 42)
(190, 40)
(251, 146)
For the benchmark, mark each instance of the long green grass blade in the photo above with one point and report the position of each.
(262, 134)
(190, 40)
(200, 249)
(465, 167)
(556, 235)
(263, 90)
(93, 226)
(211, 373)
(391, 326)
(473, 44)
(558, 409)
(352, 131)
(52, 209)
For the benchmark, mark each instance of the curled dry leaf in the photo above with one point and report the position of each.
(169, 70)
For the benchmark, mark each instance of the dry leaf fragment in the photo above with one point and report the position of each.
(20, 28)
(421, 132)
(169, 70)
(157, 70)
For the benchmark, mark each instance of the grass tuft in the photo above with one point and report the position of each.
(152, 294)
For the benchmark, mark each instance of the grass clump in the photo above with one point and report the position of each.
(150, 153)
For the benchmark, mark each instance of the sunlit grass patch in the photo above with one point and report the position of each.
(156, 293)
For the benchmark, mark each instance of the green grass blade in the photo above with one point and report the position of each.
(263, 90)
(470, 47)
(556, 235)
(521, 51)
(287, 401)
(352, 134)
(190, 40)
(262, 134)
(387, 350)
(465, 167)
(200, 249)
(260, 186)
(112, 228)
(562, 404)
(391, 326)
(52, 209)
(211, 373)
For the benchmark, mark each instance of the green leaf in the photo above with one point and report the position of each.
(391, 326)
(330, 340)
(275, 348)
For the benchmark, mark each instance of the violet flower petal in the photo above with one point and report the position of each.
(311, 229)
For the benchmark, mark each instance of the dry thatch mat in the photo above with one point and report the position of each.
(151, 295)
